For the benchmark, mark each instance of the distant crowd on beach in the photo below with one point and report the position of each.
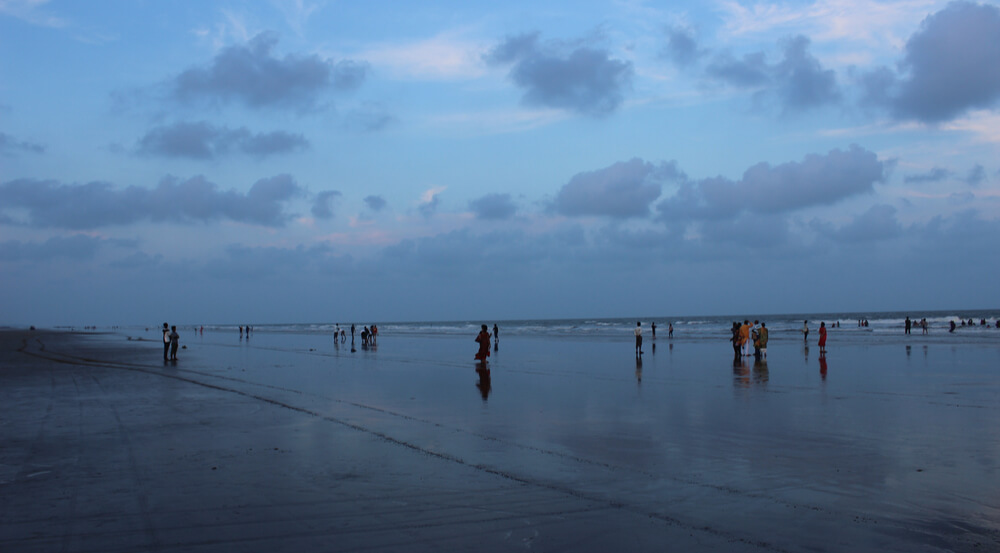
(748, 339)
(369, 336)
(952, 325)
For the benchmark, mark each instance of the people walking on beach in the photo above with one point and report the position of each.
(805, 331)
(735, 339)
(923, 326)
(822, 338)
(906, 325)
(638, 338)
(670, 330)
(496, 335)
(166, 341)
(352, 333)
(483, 339)
(652, 327)
(762, 340)
(343, 336)
(174, 342)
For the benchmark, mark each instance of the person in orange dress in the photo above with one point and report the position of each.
(822, 338)
(745, 338)
(483, 338)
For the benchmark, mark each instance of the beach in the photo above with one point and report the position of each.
(288, 442)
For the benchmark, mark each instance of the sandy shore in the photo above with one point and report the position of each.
(287, 443)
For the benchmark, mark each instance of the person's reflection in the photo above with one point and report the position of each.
(638, 368)
(741, 373)
(760, 374)
(908, 351)
(484, 384)
(822, 367)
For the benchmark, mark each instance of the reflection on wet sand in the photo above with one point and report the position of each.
(741, 373)
(743, 376)
(822, 367)
(485, 383)
(760, 373)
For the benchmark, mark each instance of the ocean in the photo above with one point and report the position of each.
(883, 327)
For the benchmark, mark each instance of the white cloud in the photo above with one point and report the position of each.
(446, 57)
(984, 125)
(429, 194)
(872, 23)
(232, 28)
(497, 121)
(31, 11)
(297, 12)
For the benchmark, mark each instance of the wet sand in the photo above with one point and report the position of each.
(285, 442)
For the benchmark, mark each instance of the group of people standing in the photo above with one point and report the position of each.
(746, 335)
(638, 335)
(368, 336)
(908, 324)
(170, 342)
(822, 335)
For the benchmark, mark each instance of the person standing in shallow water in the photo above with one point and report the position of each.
(483, 339)
(822, 338)
(174, 342)
(745, 338)
(638, 338)
(805, 331)
(166, 341)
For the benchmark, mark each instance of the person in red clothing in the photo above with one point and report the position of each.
(483, 338)
(822, 338)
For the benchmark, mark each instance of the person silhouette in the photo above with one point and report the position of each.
(166, 341)
(483, 339)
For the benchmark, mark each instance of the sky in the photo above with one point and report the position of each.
(294, 161)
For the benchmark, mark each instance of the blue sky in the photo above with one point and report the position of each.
(297, 161)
